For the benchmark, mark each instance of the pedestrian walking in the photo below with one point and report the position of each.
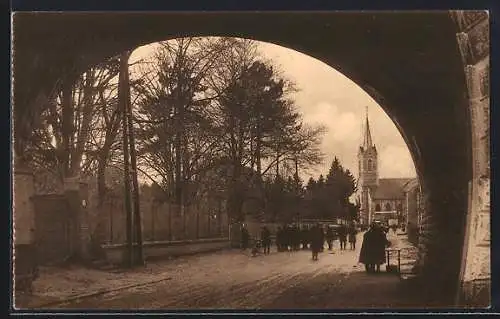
(317, 241)
(343, 237)
(266, 240)
(352, 236)
(279, 239)
(329, 237)
(245, 237)
(372, 252)
(295, 237)
(287, 237)
(304, 237)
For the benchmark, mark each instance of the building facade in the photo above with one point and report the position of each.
(413, 209)
(377, 194)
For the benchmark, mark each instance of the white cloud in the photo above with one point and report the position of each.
(328, 97)
(396, 161)
(346, 128)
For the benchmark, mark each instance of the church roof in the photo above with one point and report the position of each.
(390, 188)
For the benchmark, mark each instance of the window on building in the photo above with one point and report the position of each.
(400, 207)
(370, 164)
(388, 207)
(377, 208)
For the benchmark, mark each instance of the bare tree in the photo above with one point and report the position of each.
(174, 109)
(64, 140)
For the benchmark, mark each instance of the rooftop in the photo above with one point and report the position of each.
(390, 188)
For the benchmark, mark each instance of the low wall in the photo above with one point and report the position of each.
(165, 249)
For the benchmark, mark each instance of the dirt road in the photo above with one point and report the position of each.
(287, 280)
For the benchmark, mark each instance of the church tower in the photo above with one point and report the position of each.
(368, 173)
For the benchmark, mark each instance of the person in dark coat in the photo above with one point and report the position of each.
(279, 239)
(317, 241)
(265, 235)
(293, 237)
(329, 237)
(287, 237)
(351, 234)
(372, 252)
(245, 238)
(322, 236)
(304, 236)
(343, 236)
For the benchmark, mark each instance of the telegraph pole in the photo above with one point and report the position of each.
(139, 256)
(297, 189)
(123, 101)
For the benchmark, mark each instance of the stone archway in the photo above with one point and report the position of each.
(473, 40)
(410, 62)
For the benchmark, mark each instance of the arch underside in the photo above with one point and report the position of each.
(409, 63)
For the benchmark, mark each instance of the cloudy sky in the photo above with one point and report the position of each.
(327, 97)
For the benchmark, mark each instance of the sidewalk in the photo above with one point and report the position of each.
(58, 284)
(408, 250)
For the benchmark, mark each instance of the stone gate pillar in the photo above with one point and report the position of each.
(24, 262)
(76, 193)
(441, 229)
(473, 41)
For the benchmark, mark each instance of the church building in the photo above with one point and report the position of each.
(377, 196)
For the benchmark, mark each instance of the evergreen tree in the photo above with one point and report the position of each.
(340, 185)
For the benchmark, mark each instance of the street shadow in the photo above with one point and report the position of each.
(353, 290)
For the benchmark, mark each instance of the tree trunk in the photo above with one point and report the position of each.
(136, 199)
(258, 154)
(111, 132)
(99, 231)
(67, 126)
(77, 154)
(122, 96)
(277, 164)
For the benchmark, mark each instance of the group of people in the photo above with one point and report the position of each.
(347, 233)
(265, 240)
(291, 237)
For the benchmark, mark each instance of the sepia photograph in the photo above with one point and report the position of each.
(263, 161)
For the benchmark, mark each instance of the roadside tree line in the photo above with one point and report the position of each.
(211, 117)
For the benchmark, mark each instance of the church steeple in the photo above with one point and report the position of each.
(367, 142)
(368, 171)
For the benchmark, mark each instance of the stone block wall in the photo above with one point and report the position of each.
(24, 250)
(474, 44)
(53, 229)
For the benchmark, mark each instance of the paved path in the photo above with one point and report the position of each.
(288, 280)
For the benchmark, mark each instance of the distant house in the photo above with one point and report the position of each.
(377, 194)
(413, 209)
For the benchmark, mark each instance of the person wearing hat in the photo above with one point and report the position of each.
(372, 252)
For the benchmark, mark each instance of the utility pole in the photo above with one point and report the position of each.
(139, 256)
(122, 100)
(297, 188)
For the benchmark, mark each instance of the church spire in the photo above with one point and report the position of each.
(367, 142)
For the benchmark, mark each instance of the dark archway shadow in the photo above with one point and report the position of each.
(408, 62)
(356, 291)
